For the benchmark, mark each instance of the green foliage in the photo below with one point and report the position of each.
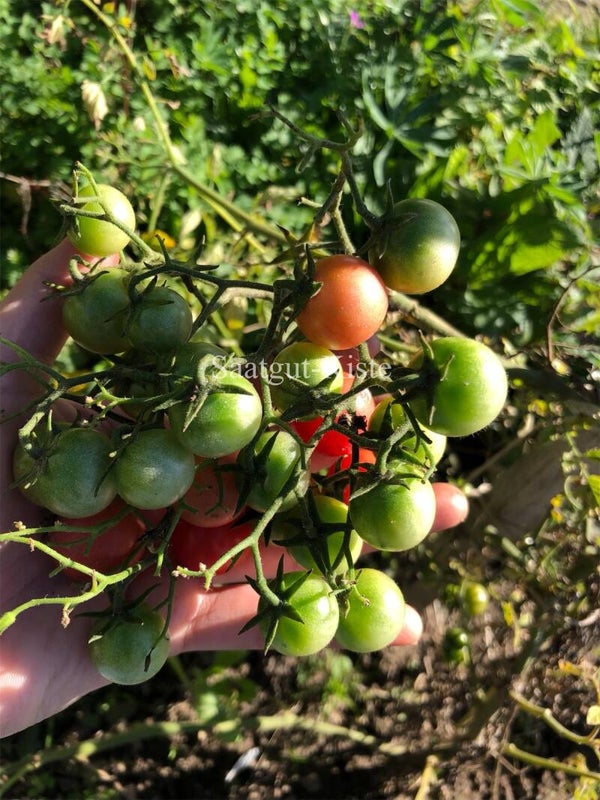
(489, 109)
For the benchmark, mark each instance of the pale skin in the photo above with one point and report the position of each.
(45, 667)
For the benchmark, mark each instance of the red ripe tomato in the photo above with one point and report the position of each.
(214, 495)
(116, 546)
(349, 307)
(333, 444)
(191, 545)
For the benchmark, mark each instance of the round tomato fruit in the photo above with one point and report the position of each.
(160, 321)
(475, 598)
(301, 367)
(389, 415)
(372, 614)
(70, 475)
(313, 602)
(154, 469)
(394, 516)
(97, 237)
(130, 648)
(467, 387)
(95, 316)
(224, 421)
(277, 456)
(349, 306)
(416, 246)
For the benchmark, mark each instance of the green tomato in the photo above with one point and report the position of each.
(468, 387)
(315, 604)
(276, 456)
(131, 648)
(160, 321)
(96, 237)
(95, 317)
(416, 246)
(394, 516)
(455, 647)
(328, 550)
(475, 598)
(69, 474)
(154, 470)
(189, 355)
(298, 369)
(372, 613)
(226, 421)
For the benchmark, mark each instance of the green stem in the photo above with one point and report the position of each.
(546, 715)
(100, 582)
(513, 751)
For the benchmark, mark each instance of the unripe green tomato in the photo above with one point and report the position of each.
(456, 637)
(317, 607)
(394, 516)
(96, 316)
(300, 367)
(154, 470)
(374, 613)
(227, 420)
(416, 246)
(132, 649)
(388, 416)
(276, 455)
(72, 476)
(189, 355)
(468, 391)
(456, 646)
(96, 237)
(475, 598)
(160, 322)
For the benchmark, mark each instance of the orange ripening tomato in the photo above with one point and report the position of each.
(349, 307)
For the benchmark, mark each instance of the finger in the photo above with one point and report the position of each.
(452, 506)
(25, 319)
(413, 628)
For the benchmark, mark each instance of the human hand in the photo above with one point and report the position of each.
(45, 667)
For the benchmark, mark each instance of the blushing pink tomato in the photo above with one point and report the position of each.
(214, 495)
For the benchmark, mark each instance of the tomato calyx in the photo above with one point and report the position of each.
(317, 532)
(276, 597)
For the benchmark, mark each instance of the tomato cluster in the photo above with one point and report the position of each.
(317, 449)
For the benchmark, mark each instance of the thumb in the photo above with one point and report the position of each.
(25, 319)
